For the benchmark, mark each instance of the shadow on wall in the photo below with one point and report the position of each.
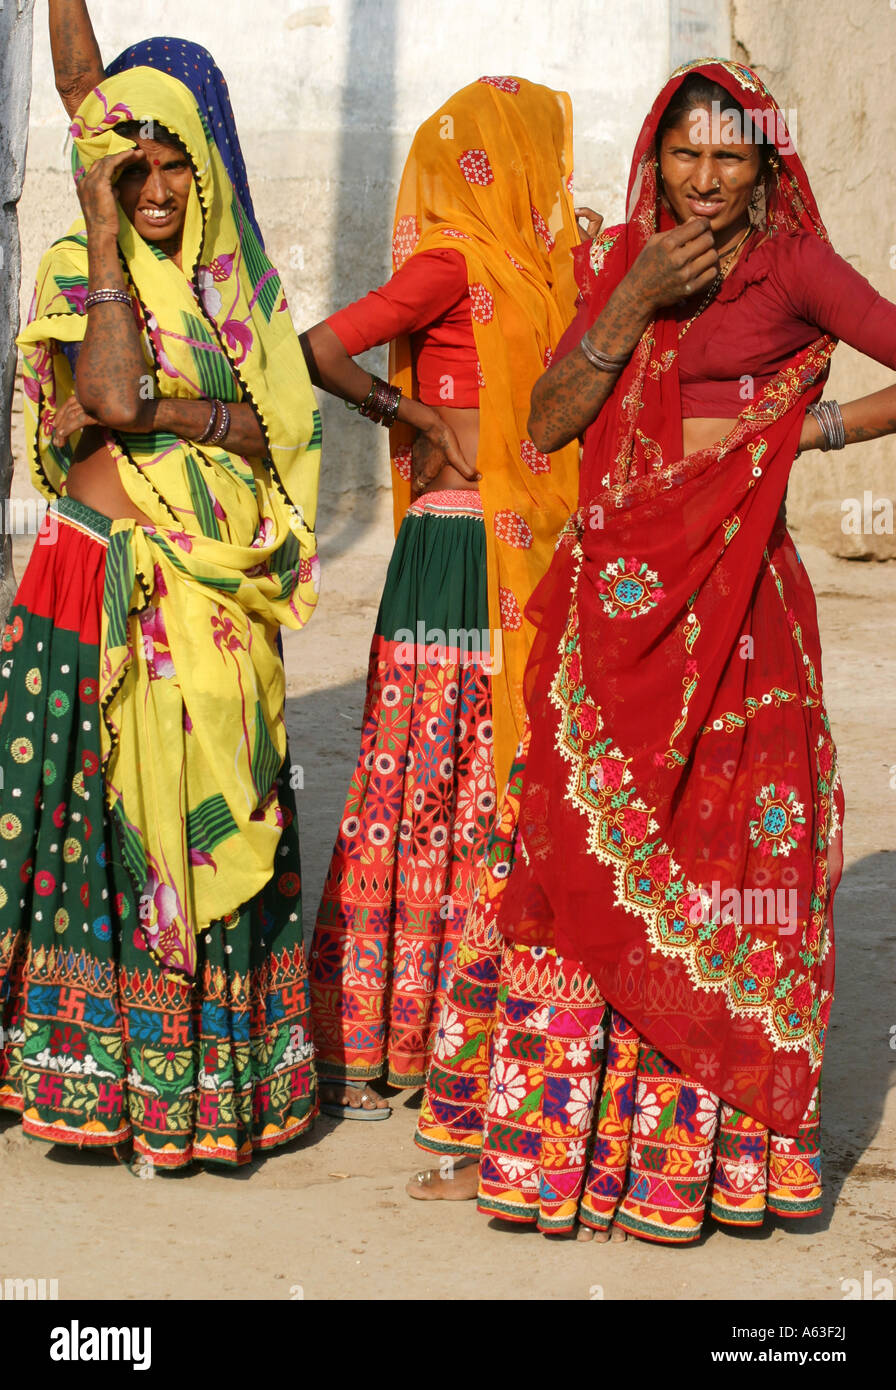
(365, 160)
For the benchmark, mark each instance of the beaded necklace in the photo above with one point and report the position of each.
(721, 275)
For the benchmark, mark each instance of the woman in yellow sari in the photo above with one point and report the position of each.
(151, 965)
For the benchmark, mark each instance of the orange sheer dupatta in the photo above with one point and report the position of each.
(490, 175)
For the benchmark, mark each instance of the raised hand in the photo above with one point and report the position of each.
(98, 194)
(675, 264)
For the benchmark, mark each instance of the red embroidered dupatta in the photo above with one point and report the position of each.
(680, 810)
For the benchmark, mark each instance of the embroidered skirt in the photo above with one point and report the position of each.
(419, 808)
(577, 1117)
(99, 1045)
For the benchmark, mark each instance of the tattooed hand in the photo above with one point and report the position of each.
(69, 419)
(675, 264)
(434, 448)
(99, 196)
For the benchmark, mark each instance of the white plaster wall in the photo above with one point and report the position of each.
(327, 98)
(15, 80)
(834, 64)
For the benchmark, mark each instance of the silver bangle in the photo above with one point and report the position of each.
(831, 410)
(602, 360)
(107, 297)
(223, 425)
(827, 416)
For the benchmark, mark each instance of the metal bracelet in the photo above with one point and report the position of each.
(223, 425)
(831, 411)
(210, 427)
(827, 416)
(107, 297)
(816, 414)
(602, 360)
(391, 411)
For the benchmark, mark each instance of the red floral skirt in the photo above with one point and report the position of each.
(419, 808)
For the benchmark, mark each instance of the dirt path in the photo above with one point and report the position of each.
(329, 1219)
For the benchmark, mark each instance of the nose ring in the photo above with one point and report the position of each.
(716, 183)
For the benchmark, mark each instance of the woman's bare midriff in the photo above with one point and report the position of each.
(94, 480)
(699, 433)
(465, 424)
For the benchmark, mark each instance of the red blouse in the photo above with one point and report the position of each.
(429, 299)
(780, 296)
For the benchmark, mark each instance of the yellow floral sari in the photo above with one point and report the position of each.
(191, 684)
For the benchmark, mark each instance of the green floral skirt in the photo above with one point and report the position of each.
(98, 1044)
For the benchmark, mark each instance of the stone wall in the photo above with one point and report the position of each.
(833, 64)
(15, 87)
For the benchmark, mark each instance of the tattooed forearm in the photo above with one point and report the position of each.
(111, 366)
(77, 63)
(189, 419)
(870, 417)
(572, 392)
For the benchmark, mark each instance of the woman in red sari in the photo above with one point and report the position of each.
(682, 756)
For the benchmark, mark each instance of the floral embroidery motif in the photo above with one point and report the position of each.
(513, 530)
(503, 84)
(533, 458)
(22, 750)
(402, 458)
(781, 823)
(511, 617)
(629, 588)
(542, 228)
(405, 238)
(482, 305)
(650, 883)
(601, 246)
(475, 167)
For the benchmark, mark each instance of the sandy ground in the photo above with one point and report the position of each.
(328, 1218)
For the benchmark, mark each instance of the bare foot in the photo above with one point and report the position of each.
(614, 1234)
(356, 1097)
(459, 1182)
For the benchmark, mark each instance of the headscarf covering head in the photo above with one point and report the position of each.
(489, 175)
(679, 744)
(197, 69)
(191, 764)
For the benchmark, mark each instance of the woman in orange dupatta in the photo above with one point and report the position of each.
(482, 292)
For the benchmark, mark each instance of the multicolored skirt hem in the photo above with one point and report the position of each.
(577, 1119)
(419, 808)
(511, 1211)
(430, 1144)
(98, 1044)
